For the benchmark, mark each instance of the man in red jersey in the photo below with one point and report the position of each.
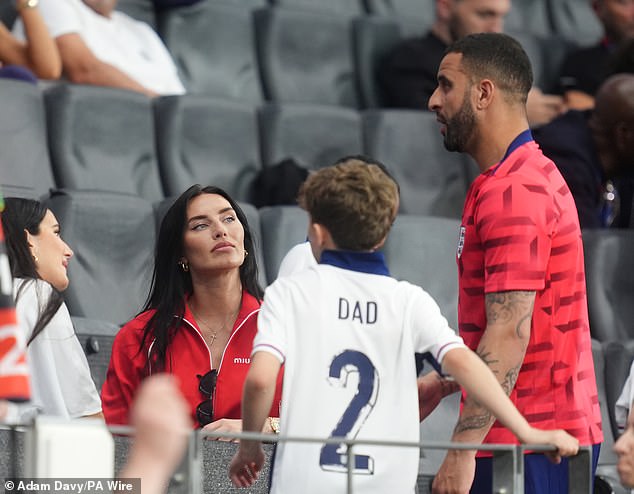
(522, 303)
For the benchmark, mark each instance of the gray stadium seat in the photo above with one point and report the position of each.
(12, 442)
(208, 141)
(530, 16)
(337, 7)
(306, 57)
(7, 14)
(609, 258)
(606, 469)
(433, 181)
(141, 10)
(213, 46)
(374, 37)
(96, 339)
(314, 135)
(102, 138)
(421, 12)
(422, 250)
(282, 228)
(113, 238)
(575, 20)
(25, 167)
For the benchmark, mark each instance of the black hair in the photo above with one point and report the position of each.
(498, 57)
(21, 216)
(170, 284)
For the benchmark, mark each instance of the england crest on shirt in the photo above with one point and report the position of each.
(461, 241)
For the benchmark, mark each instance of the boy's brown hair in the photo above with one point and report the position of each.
(355, 199)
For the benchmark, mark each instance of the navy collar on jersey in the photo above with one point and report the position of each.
(520, 140)
(364, 262)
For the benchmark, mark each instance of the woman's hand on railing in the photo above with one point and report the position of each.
(566, 444)
(224, 425)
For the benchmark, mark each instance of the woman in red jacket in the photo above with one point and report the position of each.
(200, 318)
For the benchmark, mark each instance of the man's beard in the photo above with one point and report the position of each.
(459, 128)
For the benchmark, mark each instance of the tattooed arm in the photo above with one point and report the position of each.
(502, 348)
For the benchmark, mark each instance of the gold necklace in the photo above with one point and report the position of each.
(215, 332)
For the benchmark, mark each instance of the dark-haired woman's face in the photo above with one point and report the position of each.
(213, 239)
(50, 252)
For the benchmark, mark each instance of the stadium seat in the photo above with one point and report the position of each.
(313, 135)
(207, 141)
(7, 14)
(26, 168)
(113, 238)
(102, 138)
(306, 57)
(12, 445)
(529, 16)
(373, 38)
(609, 258)
(429, 243)
(575, 20)
(433, 181)
(212, 44)
(606, 469)
(141, 10)
(419, 12)
(337, 7)
(282, 228)
(96, 339)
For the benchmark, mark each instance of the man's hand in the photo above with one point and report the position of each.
(431, 389)
(456, 473)
(224, 425)
(542, 108)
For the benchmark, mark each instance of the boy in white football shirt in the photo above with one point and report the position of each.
(347, 333)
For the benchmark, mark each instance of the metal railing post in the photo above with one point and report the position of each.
(194, 465)
(508, 466)
(351, 463)
(580, 471)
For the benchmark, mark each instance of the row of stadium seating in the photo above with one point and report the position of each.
(294, 55)
(89, 137)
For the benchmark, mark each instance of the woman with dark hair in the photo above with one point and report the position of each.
(60, 376)
(200, 317)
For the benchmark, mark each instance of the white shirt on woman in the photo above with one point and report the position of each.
(61, 384)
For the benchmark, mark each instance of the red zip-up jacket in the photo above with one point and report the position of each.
(187, 358)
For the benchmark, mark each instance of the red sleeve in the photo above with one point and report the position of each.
(515, 224)
(125, 372)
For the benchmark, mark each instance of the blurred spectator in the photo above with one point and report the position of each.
(407, 75)
(583, 70)
(594, 151)
(160, 416)
(60, 377)
(104, 47)
(14, 378)
(38, 53)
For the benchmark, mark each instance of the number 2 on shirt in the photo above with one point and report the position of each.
(334, 457)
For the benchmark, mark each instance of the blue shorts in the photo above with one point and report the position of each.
(541, 476)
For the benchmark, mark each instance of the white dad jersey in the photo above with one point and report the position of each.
(347, 333)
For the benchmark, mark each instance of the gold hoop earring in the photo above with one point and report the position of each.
(184, 265)
(35, 258)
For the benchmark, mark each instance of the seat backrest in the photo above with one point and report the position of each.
(606, 456)
(529, 16)
(575, 20)
(306, 57)
(113, 238)
(374, 37)
(25, 167)
(618, 360)
(314, 135)
(141, 10)
(433, 181)
(103, 139)
(282, 228)
(96, 338)
(422, 250)
(7, 14)
(423, 11)
(207, 141)
(212, 44)
(609, 262)
(337, 7)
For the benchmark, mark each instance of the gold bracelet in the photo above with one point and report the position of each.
(27, 4)
(274, 422)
